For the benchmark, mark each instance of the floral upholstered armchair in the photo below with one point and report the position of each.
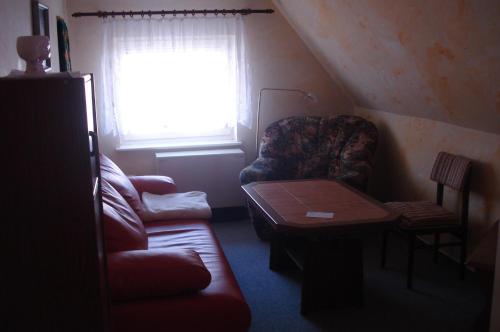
(340, 147)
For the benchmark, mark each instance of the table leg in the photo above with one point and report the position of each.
(333, 275)
(278, 258)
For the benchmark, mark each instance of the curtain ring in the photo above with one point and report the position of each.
(142, 13)
(131, 14)
(175, 13)
(149, 14)
(216, 12)
(204, 12)
(192, 12)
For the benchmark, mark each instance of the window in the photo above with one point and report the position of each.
(176, 81)
(177, 96)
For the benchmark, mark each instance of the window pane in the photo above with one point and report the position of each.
(165, 94)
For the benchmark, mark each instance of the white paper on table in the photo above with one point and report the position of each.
(317, 214)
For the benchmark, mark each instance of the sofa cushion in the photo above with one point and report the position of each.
(123, 230)
(154, 273)
(115, 177)
(219, 307)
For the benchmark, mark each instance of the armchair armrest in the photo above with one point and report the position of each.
(154, 184)
(156, 272)
(355, 179)
(356, 160)
(262, 169)
(355, 173)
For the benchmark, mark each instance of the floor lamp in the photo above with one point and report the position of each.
(305, 94)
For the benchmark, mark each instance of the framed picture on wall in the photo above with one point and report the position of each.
(40, 22)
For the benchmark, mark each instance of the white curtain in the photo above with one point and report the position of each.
(174, 77)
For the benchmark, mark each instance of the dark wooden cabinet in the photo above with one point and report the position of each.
(53, 264)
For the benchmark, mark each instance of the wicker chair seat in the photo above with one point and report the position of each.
(423, 214)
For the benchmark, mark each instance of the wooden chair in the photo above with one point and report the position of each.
(423, 217)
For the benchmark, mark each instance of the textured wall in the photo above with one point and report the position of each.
(428, 61)
(433, 59)
(406, 152)
(15, 20)
(277, 58)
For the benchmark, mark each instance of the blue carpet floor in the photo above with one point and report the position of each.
(440, 302)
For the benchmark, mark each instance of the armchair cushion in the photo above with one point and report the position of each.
(154, 184)
(123, 230)
(116, 178)
(155, 273)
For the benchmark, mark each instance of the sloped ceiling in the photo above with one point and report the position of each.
(425, 58)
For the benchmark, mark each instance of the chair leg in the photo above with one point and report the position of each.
(385, 235)
(411, 256)
(437, 238)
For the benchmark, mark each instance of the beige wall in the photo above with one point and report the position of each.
(277, 58)
(15, 20)
(406, 152)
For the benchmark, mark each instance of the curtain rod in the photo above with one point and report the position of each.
(184, 12)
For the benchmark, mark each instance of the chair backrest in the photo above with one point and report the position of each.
(451, 170)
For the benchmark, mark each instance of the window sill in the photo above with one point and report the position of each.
(176, 147)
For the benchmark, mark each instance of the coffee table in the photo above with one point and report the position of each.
(323, 244)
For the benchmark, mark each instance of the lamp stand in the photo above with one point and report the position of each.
(307, 95)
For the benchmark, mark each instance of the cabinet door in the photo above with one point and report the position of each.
(91, 126)
(53, 262)
(95, 172)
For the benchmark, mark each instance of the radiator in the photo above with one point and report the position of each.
(215, 172)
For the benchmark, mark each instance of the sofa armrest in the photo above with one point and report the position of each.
(262, 169)
(150, 273)
(154, 184)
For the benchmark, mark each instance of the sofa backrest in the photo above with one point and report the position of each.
(123, 229)
(116, 178)
(311, 147)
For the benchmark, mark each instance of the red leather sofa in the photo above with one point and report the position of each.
(165, 275)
